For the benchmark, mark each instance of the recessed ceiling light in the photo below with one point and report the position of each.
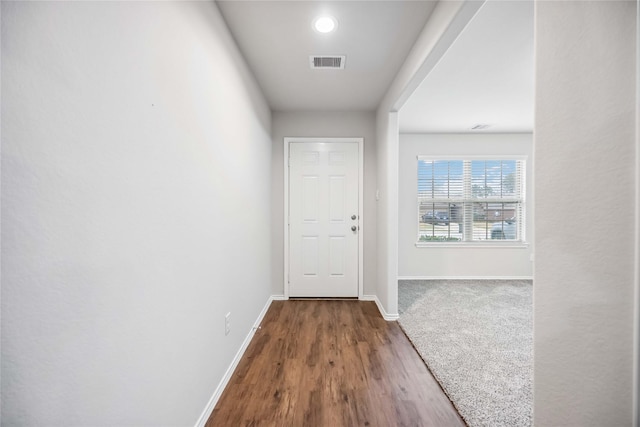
(325, 24)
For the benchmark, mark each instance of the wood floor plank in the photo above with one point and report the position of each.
(331, 363)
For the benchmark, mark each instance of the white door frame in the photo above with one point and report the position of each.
(360, 141)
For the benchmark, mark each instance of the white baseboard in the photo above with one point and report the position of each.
(204, 417)
(465, 278)
(278, 298)
(383, 312)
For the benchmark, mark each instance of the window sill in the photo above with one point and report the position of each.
(473, 245)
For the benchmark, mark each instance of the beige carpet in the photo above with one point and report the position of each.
(476, 337)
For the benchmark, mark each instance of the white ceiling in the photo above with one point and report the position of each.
(276, 38)
(486, 77)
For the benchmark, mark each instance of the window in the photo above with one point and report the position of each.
(470, 200)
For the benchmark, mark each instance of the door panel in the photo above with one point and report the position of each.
(336, 255)
(309, 255)
(323, 198)
(310, 198)
(336, 198)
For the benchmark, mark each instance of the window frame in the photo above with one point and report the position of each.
(467, 178)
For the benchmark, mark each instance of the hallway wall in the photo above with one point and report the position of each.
(136, 166)
(444, 25)
(585, 155)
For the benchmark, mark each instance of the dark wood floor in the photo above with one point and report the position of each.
(331, 363)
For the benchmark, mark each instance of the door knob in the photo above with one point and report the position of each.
(353, 217)
(353, 228)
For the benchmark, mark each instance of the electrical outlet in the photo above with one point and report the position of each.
(227, 323)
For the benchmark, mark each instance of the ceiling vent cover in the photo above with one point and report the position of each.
(335, 62)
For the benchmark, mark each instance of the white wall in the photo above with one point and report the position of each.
(387, 135)
(584, 144)
(462, 262)
(636, 320)
(447, 20)
(323, 124)
(135, 202)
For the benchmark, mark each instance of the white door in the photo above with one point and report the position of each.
(323, 219)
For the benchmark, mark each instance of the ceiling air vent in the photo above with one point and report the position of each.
(335, 62)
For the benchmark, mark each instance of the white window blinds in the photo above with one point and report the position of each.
(470, 199)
